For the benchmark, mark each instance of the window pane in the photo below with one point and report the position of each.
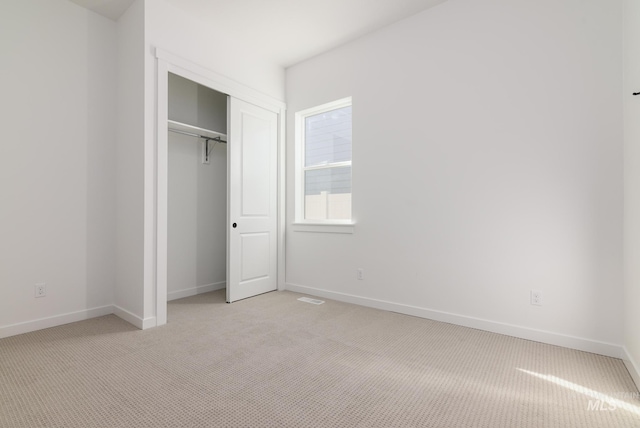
(328, 137)
(327, 194)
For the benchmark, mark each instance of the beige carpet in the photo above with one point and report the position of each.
(272, 361)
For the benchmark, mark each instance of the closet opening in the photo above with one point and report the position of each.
(197, 189)
(190, 249)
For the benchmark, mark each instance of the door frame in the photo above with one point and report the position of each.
(169, 63)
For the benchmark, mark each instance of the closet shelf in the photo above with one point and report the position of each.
(196, 131)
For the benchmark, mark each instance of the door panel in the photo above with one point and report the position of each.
(255, 252)
(255, 167)
(252, 223)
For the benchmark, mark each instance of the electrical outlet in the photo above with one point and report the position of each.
(41, 290)
(536, 297)
(360, 274)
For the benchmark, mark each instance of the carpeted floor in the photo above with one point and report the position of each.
(272, 361)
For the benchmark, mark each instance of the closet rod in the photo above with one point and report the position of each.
(217, 139)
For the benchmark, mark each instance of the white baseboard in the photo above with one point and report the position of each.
(141, 323)
(188, 292)
(54, 321)
(572, 342)
(57, 320)
(632, 366)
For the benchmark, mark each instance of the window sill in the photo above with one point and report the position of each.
(348, 228)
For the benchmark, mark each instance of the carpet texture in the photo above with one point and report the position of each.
(272, 361)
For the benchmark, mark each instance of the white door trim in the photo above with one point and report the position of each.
(169, 63)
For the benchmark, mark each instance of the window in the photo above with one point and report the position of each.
(323, 149)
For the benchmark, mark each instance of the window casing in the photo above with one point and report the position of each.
(323, 164)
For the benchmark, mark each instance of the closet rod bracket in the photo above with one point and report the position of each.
(206, 148)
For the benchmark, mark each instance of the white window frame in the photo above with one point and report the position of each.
(301, 224)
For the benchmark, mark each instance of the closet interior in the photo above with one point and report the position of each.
(197, 189)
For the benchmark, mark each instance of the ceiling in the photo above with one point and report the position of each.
(112, 9)
(287, 31)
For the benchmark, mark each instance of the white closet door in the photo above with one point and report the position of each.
(253, 196)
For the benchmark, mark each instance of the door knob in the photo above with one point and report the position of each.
(235, 225)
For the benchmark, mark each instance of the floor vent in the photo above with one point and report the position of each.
(309, 300)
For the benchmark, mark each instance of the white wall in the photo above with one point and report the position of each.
(197, 234)
(130, 163)
(200, 41)
(487, 162)
(58, 109)
(196, 105)
(632, 186)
